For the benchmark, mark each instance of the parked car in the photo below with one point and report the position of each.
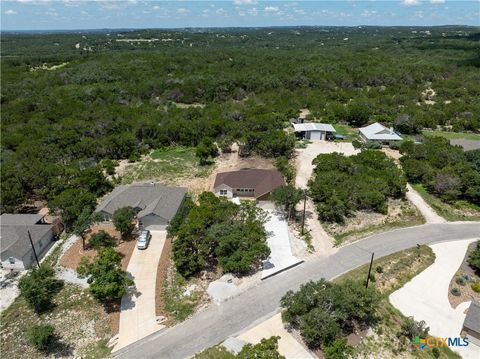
(143, 239)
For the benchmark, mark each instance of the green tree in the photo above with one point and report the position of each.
(38, 287)
(206, 150)
(266, 349)
(84, 221)
(288, 197)
(105, 275)
(123, 220)
(70, 204)
(282, 164)
(41, 336)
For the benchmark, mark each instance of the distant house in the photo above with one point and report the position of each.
(249, 183)
(314, 130)
(467, 145)
(379, 133)
(16, 249)
(154, 203)
(471, 325)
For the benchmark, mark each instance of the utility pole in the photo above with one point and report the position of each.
(369, 270)
(33, 248)
(304, 207)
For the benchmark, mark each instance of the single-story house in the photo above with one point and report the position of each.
(248, 183)
(16, 249)
(154, 203)
(379, 133)
(471, 325)
(314, 130)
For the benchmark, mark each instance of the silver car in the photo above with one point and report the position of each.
(143, 239)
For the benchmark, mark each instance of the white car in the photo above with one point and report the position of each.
(143, 239)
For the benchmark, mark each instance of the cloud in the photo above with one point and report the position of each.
(437, 1)
(410, 2)
(221, 12)
(271, 9)
(10, 12)
(245, 2)
(182, 10)
(51, 12)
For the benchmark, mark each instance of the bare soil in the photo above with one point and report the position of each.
(163, 264)
(466, 291)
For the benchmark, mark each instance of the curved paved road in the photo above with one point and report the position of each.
(216, 323)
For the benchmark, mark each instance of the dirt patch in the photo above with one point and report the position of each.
(401, 213)
(466, 291)
(163, 264)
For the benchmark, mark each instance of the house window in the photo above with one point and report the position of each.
(11, 260)
(223, 192)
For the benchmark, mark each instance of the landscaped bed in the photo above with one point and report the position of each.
(463, 280)
(389, 273)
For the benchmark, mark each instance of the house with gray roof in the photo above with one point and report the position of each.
(471, 325)
(314, 130)
(379, 133)
(16, 249)
(154, 203)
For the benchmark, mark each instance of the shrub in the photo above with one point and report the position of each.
(41, 336)
(411, 328)
(476, 287)
(379, 269)
(461, 281)
(474, 258)
(456, 292)
(38, 288)
(339, 349)
(101, 239)
(436, 352)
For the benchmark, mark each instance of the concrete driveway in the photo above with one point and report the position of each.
(216, 323)
(278, 240)
(425, 297)
(137, 316)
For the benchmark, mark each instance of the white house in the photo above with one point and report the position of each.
(379, 133)
(313, 130)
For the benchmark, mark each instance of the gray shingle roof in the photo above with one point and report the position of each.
(13, 233)
(472, 319)
(148, 198)
(20, 219)
(262, 181)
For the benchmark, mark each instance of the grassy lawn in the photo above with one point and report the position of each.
(460, 211)
(80, 323)
(178, 305)
(216, 352)
(453, 135)
(167, 164)
(389, 274)
(405, 215)
(347, 131)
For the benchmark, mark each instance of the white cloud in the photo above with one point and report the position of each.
(10, 12)
(156, 7)
(221, 12)
(51, 12)
(299, 11)
(271, 9)
(245, 2)
(437, 1)
(182, 10)
(410, 2)
(367, 13)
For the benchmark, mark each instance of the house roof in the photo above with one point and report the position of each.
(147, 198)
(472, 319)
(377, 131)
(313, 126)
(13, 233)
(262, 181)
(20, 219)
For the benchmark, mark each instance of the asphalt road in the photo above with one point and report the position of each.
(259, 302)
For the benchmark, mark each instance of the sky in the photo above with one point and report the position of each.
(98, 14)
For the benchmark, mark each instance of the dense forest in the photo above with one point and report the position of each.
(72, 100)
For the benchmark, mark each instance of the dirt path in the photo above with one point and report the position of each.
(427, 212)
(321, 241)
